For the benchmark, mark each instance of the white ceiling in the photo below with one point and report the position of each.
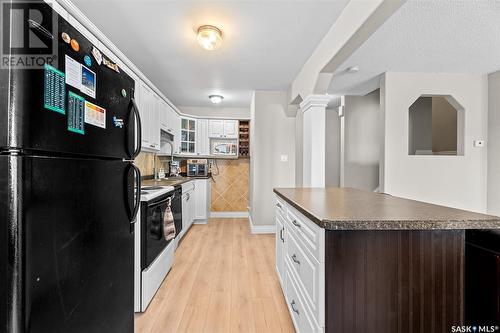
(265, 43)
(427, 36)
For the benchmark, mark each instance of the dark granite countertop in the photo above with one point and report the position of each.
(171, 181)
(336, 208)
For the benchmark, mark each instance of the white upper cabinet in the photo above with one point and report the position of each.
(155, 122)
(231, 129)
(202, 140)
(218, 128)
(215, 128)
(176, 131)
(188, 136)
(148, 108)
(172, 121)
(141, 95)
(164, 115)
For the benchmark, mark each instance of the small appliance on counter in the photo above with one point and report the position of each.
(196, 168)
(174, 168)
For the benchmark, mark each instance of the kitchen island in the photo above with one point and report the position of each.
(356, 261)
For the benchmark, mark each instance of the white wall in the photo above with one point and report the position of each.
(332, 170)
(362, 137)
(494, 143)
(273, 135)
(299, 148)
(456, 181)
(252, 157)
(216, 112)
(420, 125)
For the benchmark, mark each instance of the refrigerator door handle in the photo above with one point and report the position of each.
(137, 201)
(138, 138)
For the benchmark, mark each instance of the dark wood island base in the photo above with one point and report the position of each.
(394, 280)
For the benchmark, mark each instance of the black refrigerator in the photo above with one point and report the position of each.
(69, 191)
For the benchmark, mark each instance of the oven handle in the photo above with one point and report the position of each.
(162, 201)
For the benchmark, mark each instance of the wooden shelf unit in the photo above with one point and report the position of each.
(244, 138)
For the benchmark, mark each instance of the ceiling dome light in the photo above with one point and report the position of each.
(352, 69)
(209, 37)
(216, 99)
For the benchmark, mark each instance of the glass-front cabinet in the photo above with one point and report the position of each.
(188, 136)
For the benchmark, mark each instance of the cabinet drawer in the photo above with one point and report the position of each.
(280, 250)
(301, 317)
(308, 233)
(310, 276)
(280, 207)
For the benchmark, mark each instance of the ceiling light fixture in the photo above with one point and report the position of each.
(209, 37)
(352, 69)
(216, 99)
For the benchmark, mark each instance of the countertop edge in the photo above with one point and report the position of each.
(301, 209)
(472, 224)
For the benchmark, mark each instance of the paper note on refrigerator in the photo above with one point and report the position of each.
(88, 82)
(76, 113)
(73, 72)
(95, 115)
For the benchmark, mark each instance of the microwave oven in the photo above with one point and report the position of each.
(224, 147)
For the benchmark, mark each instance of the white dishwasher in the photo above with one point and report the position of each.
(188, 206)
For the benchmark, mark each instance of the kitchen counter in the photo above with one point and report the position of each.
(350, 209)
(170, 181)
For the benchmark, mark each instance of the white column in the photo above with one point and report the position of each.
(313, 108)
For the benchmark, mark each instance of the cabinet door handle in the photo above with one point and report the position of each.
(279, 205)
(294, 258)
(292, 304)
(281, 235)
(297, 224)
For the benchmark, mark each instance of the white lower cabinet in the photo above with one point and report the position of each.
(202, 193)
(301, 315)
(280, 250)
(300, 266)
(188, 206)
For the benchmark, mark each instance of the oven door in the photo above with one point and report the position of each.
(153, 242)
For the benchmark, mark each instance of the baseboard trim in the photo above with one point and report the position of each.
(229, 215)
(260, 229)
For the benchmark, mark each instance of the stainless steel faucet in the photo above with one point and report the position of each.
(154, 166)
(171, 156)
(171, 150)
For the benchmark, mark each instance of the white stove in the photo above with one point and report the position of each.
(153, 254)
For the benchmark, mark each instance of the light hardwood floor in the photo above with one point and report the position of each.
(223, 280)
